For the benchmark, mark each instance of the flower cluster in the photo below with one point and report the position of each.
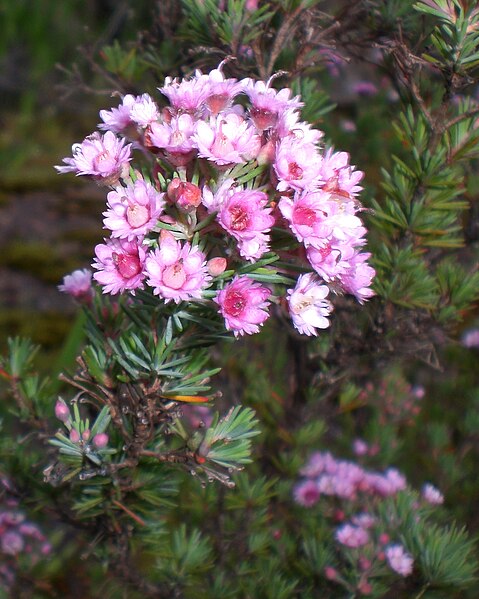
(355, 494)
(18, 537)
(227, 180)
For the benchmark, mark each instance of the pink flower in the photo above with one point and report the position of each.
(174, 138)
(11, 543)
(352, 536)
(297, 164)
(221, 91)
(120, 264)
(144, 110)
(307, 216)
(306, 493)
(307, 304)
(78, 284)
(268, 103)
(139, 110)
(244, 215)
(187, 95)
(226, 139)
(338, 176)
(360, 447)
(332, 260)
(358, 279)
(118, 119)
(432, 495)
(399, 560)
(470, 338)
(133, 210)
(176, 272)
(104, 157)
(243, 305)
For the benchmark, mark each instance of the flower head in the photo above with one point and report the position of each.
(399, 560)
(243, 305)
(176, 272)
(104, 157)
(306, 493)
(133, 210)
(308, 306)
(120, 265)
(244, 215)
(432, 495)
(226, 139)
(78, 284)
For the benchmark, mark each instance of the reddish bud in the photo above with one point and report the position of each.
(330, 573)
(86, 434)
(186, 195)
(216, 266)
(74, 436)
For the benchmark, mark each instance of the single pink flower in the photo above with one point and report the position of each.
(243, 305)
(267, 104)
(227, 139)
(432, 495)
(338, 176)
(104, 157)
(187, 95)
(176, 272)
(174, 138)
(144, 110)
(78, 284)
(118, 119)
(120, 264)
(306, 493)
(246, 217)
(399, 560)
(308, 306)
(296, 164)
(358, 279)
(133, 210)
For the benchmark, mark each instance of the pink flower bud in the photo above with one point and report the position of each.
(62, 412)
(384, 538)
(100, 440)
(86, 435)
(216, 266)
(365, 588)
(186, 195)
(74, 436)
(330, 573)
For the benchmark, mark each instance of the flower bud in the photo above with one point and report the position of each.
(330, 573)
(86, 434)
(216, 266)
(62, 412)
(74, 436)
(100, 440)
(186, 195)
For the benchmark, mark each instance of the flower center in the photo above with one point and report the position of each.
(295, 171)
(263, 119)
(305, 302)
(137, 215)
(239, 218)
(104, 162)
(304, 216)
(216, 102)
(235, 303)
(174, 276)
(127, 265)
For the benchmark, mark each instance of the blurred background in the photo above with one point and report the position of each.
(50, 94)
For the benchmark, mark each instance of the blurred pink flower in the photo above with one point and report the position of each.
(78, 284)
(352, 536)
(399, 560)
(306, 493)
